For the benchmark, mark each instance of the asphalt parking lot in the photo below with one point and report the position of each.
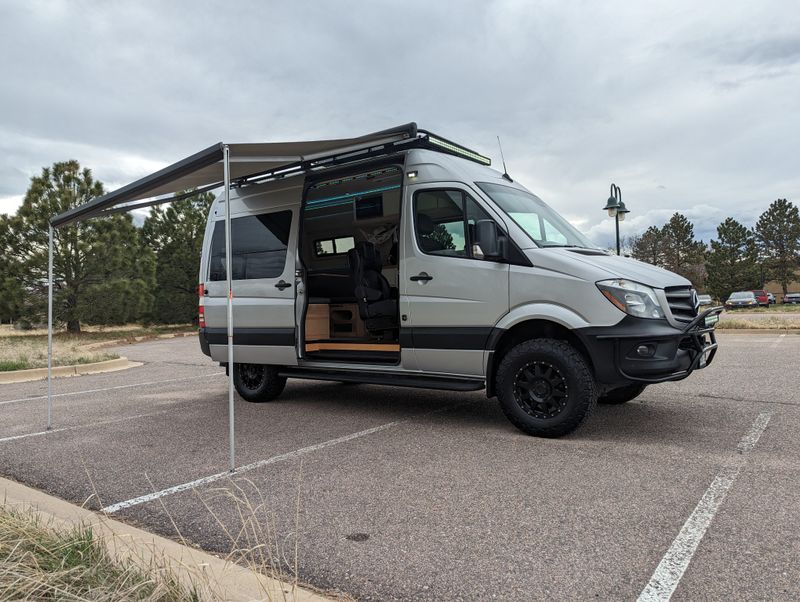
(412, 494)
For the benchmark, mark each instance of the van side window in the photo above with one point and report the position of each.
(258, 244)
(445, 222)
(439, 218)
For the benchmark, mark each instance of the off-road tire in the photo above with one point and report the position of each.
(257, 383)
(552, 361)
(622, 394)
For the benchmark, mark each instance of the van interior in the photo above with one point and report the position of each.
(350, 233)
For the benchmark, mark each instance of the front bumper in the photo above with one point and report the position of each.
(670, 353)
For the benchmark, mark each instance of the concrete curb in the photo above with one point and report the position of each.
(121, 363)
(21, 376)
(214, 578)
(134, 340)
(757, 331)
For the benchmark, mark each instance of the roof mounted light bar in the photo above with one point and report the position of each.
(453, 148)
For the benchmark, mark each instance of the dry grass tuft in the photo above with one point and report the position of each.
(40, 562)
(759, 324)
(24, 349)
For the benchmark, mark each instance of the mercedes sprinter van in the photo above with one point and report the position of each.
(415, 264)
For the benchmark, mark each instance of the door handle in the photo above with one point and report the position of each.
(282, 285)
(421, 277)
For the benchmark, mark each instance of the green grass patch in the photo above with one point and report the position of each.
(40, 562)
(8, 365)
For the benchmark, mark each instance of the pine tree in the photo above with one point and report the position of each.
(100, 272)
(175, 235)
(778, 236)
(649, 247)
(11, 292)
(732, 264)
(682, 254)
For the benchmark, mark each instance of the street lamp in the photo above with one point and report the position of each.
(616, 208)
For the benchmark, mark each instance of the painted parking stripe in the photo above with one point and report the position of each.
(81, 426)
(145, 384)
(780, 339)
(673, 565)
(248, 467)
(26, 435)
(267, 461)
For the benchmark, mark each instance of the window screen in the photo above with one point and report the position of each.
(258, 245)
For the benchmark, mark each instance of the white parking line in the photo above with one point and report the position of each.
(152, 382)
(266, 462)
(81, 426)
(26, 435)
(780, 339)
(670, 570)
(221, 475)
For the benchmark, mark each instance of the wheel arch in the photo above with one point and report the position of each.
(525, 330)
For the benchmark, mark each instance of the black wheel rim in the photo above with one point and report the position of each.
(251, 375)
(540, 390)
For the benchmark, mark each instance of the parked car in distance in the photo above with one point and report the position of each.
(762, 297)
(704, 300)
(791, 298)
(741, 299)
(771, 298)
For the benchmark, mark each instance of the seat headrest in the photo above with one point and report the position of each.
(425, 224)
(370, 255)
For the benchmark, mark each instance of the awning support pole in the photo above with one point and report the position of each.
(50, 328)
(226, 159)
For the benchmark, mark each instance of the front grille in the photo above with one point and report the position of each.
(682, 302)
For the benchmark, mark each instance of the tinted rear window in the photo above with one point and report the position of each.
(258, 243)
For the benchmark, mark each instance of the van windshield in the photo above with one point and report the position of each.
(545, 227)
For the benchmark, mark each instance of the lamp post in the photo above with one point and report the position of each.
(616, 208)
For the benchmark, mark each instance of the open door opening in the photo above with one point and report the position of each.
(349, 247)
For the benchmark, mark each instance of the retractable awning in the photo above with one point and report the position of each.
(228, 165)
(218, 165)
(205, 169)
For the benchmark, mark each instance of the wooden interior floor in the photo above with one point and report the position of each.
(327, 346)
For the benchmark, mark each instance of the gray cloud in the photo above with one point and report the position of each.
(684, 105)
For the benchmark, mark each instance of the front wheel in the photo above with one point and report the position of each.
(257, 383)
(545, 387)
(622, 394)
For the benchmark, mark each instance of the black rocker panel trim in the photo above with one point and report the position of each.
(455, 337)
(278, 337)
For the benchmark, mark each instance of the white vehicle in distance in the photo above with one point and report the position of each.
(415, 264)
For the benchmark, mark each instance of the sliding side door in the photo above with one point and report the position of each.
(264, 243)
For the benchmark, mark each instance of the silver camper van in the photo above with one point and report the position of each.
(415, 264)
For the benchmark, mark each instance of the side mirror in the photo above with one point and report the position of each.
(486, 240)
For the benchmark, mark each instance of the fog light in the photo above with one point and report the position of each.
(645, 350)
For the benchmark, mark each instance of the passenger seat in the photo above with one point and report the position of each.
(377, 301)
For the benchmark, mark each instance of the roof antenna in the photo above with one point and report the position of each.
(505, 171)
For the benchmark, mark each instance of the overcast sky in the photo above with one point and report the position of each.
(688, 106)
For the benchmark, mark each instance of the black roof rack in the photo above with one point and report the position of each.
(423, 139)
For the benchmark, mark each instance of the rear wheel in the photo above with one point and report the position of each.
(257, 382)
(545, 387)
(622, 394)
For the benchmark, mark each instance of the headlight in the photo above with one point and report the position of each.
(631, 297)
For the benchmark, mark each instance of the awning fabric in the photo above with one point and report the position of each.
(205, 168)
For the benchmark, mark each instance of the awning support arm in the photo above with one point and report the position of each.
(226, 155)
(50, 327)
